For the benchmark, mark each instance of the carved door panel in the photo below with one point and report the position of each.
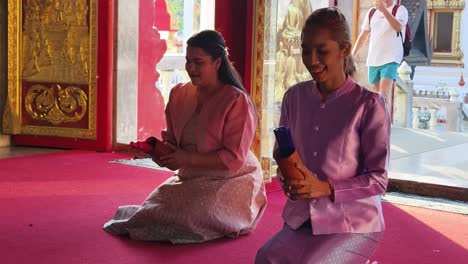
(52, 69)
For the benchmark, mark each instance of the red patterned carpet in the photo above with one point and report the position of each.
(54, 205)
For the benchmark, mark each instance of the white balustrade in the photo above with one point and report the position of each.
(453, 110)
(415, 111)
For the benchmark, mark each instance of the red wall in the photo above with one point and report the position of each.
(233, 18)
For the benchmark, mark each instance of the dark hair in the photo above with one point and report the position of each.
(332, 19)
(213, 44)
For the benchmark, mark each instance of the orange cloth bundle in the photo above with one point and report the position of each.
(286, 155)
(287, 166)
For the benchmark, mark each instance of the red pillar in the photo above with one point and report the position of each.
(232, 20)
(151, 49)
(105, 74)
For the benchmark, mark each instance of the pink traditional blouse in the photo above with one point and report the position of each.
(228, 121)
(344, 139)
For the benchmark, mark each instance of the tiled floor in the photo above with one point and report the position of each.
(431, 157)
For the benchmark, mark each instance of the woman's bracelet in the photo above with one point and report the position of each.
(332, 191)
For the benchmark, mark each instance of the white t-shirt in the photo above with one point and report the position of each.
(385, 45)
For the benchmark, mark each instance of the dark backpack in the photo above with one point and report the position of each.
(407, 44)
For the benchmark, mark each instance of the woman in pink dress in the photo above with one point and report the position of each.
(341, 132)
(218, 190)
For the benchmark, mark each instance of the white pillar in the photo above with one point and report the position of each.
(433, 120)
(416, 111)
(207, 14)
(188, 22)
(404, 71)
(453, 92)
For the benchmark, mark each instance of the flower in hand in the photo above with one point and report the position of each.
(310, 187)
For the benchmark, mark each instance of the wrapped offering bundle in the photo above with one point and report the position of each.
(286, 155)
(153, 146)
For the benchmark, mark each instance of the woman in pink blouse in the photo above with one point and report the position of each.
(341, 132)
(218, 190)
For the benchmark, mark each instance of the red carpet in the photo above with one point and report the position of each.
(54, 205)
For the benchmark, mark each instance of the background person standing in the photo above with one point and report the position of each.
(385, 45)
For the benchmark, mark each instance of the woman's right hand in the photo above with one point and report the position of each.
(157, 161)
(165, 135)
(160, 159)
(163, 165)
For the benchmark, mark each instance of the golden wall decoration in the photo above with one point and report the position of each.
(453, 4)
(52, 68)
(55, 104)
(257, 75)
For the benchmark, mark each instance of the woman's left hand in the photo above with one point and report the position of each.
(177, 159)
(310, 187)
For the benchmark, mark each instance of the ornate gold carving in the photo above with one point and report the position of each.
(451, 4)
(265, 162)
(257, 76)
(7, 120)
(12, 107)
(289, 69)
(56, 105)
(58, 132)
(54, 42)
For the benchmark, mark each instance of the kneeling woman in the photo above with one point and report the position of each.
(342, 135)
(218, 190)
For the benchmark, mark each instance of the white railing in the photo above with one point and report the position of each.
(437, 107)
(403, 98)
(429, 113)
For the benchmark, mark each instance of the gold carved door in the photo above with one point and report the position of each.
(51, 68)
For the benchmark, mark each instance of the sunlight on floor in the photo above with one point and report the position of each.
(427, 133)
(448, 171)
(398, 149)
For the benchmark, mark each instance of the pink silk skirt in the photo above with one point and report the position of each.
(302, 247)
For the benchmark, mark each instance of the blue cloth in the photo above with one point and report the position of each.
(388, 71)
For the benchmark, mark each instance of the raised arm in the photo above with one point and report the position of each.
(398, 21)
(360, 42)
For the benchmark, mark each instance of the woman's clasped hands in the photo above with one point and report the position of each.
(308, 188)
(177, 159)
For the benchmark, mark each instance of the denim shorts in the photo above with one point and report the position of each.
(388, 71)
